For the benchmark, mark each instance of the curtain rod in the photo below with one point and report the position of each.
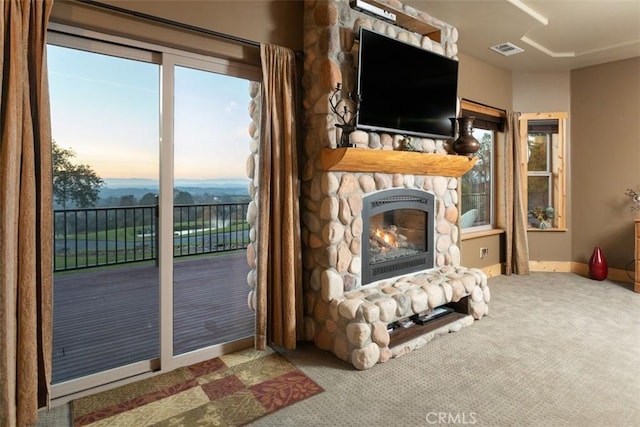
(171, 22)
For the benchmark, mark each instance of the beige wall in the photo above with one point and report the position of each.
(492, 86)
(547, 92)
(605, 159)
(484, 83)
(266, 21)
(470, 250)
(538, 92)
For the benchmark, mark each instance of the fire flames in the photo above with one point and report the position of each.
(386, 238)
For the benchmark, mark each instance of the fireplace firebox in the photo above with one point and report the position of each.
(400, 228)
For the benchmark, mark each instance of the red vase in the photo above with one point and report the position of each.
(598, 269)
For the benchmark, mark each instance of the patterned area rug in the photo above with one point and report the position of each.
(231, 390)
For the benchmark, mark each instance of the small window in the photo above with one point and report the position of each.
(543, 141)
(478, 186)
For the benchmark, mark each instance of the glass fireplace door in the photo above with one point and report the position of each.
(400, 229)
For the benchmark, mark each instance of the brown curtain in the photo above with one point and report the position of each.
(515, 221)
(278, 288)
(25, 213)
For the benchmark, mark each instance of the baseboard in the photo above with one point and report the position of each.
(551, 266)
(492, 270)
(617, 274)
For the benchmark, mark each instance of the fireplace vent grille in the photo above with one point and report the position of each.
(399, 266)
(397, 199)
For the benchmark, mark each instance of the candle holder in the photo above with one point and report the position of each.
(346, 116)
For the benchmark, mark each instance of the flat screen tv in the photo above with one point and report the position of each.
(404, 89)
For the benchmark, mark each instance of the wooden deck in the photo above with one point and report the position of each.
(108, 317)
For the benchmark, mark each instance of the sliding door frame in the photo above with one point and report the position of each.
(170, 61)
(167, 59)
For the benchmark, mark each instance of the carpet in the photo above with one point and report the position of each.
(230, 390)
(556, 350)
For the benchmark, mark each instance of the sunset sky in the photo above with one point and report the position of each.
(107, 110)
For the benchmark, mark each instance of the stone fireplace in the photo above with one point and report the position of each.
(379, 224)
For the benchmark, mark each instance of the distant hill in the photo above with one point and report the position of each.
(116, 183)
(203, 191)
(224, 190)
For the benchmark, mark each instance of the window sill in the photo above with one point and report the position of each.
(478, 234)
(547, 230)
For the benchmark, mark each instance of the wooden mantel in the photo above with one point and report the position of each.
(409, 22)
(389, 161)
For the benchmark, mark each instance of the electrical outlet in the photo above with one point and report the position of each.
(484, 252)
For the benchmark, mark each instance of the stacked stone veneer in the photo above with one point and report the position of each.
(341, 315)
(349, 319)
(252, 173)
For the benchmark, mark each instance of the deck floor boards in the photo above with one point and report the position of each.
(108, 317)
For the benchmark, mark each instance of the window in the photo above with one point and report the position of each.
(543, 139)
(478, 185)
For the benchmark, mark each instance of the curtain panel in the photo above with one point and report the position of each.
(279, 263)
(515, 220)
(25, 213)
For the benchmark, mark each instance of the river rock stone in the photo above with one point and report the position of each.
(379, 334)
(358, 333)
(365, 358)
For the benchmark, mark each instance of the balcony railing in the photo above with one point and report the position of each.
(479, 201)
(96, 237)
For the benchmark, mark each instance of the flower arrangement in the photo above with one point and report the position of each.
(543, 215)
(635, 197)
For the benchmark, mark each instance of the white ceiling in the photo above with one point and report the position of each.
(578, 33)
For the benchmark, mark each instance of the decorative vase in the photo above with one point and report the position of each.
(549, 212)
(466, 144)
(598, 269)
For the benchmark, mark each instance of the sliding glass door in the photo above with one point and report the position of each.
(105, 126)
(150, 196)
(210, 204)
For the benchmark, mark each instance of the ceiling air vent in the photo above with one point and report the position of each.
(506, 49)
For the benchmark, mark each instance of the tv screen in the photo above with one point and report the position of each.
(404, 89)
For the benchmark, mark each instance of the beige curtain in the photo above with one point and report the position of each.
(25, 213)
(278, 288)
(515, 221)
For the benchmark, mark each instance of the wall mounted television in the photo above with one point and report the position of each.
(404, 89)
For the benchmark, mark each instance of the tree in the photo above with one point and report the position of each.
(149, 199)
(73, 182)
(476, 180)
(538, 186)
(128, 200)
(183, 198)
